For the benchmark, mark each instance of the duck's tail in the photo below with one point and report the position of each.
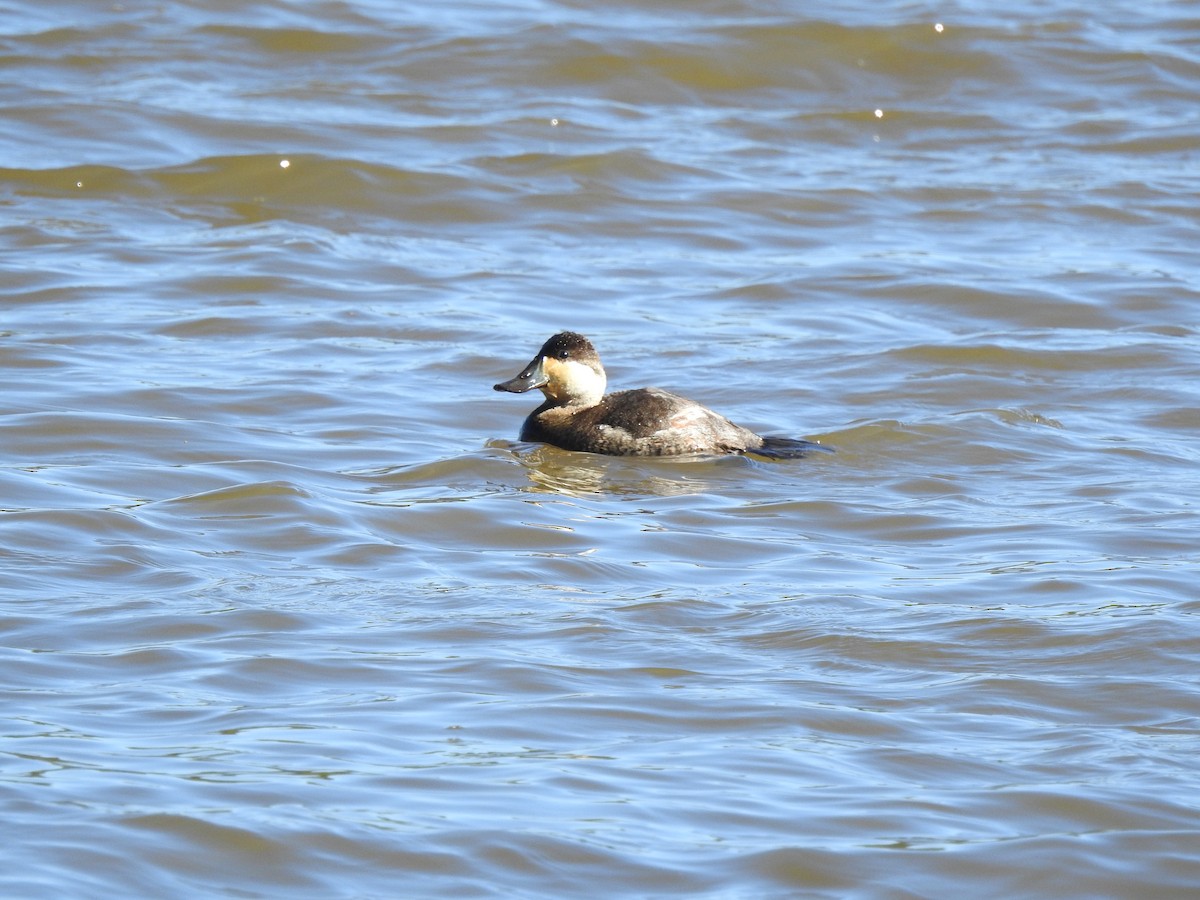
(788, 448)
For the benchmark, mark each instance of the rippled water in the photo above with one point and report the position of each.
(287, 610)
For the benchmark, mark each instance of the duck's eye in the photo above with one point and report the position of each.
(562, 354)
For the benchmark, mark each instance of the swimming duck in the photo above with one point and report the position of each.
(578, 415)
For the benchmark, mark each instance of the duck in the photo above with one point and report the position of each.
(578, 415)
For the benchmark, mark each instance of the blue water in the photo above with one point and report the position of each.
(286, 608)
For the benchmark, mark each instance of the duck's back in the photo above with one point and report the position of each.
(640, 422)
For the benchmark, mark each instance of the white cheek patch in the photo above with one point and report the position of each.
(577, 374)
(574, 379)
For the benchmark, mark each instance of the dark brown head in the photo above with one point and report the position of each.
(567, 369)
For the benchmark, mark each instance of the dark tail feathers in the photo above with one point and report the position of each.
(788, 448)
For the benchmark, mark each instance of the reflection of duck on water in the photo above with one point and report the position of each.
(578, 415)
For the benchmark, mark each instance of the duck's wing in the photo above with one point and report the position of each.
(655, 422)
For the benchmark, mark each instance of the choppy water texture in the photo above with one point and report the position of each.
(286, 610)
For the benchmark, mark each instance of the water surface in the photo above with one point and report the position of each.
(285, 607)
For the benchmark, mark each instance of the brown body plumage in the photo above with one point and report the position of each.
(578, 415)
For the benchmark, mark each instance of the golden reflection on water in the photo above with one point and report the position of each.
(556, 471)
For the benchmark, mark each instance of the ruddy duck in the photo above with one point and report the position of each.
(577, 415)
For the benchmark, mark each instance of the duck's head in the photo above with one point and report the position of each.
(567, 369)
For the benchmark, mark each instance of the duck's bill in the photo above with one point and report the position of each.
(532, 376)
